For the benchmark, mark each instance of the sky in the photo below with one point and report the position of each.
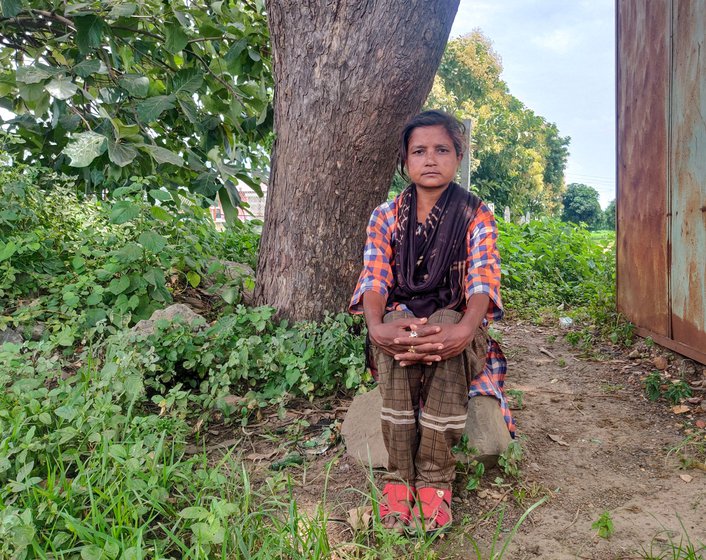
(559, 59)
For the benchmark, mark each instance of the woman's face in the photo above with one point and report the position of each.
(431, 157)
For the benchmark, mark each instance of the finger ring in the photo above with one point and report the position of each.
(412, 350)
(413, 334)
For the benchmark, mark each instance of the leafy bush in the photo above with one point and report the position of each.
(549, 262)
(243, 353)
(84, 266)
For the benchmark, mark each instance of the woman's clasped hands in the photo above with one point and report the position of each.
(412, 340)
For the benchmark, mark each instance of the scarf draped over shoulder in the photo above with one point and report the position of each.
(430, 258)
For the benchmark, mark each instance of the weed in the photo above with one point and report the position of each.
(509, 460)
(516, 398)
(604, 525)
(676, 391)
(664, 547)
(653, 385)
(497, 552)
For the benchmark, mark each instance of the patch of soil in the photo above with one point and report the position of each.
(592, 443)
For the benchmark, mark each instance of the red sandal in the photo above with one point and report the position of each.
(396, 505)
(435, 515)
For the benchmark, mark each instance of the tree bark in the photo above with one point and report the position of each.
(348, 74)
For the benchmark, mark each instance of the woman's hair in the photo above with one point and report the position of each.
(455, 129)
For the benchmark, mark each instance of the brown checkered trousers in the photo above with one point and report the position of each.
(424, 408)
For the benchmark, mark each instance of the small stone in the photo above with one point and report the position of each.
(456, 500)
(362, 432)
(37, 331)
(11, 336)
(660, 362)
(171, 313)
(634, 355)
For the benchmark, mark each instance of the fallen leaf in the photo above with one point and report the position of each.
(694, 400)
(680, 409)
(359, 518)
(686, 477)
(557, 439)
(701, 424)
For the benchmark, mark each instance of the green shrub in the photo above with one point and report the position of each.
(244, 353)
(547, 262)
(85, 267)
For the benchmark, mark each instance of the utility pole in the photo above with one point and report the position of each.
(466, 161)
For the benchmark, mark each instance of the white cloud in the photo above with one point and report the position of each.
(560, 41)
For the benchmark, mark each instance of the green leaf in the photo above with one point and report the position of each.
(187, 81)
(161, 195)
(122, 10)
(130, 252)
(152, 241)
(66, 412)
(229, 209)
(162, 155)
(194, 512)
(123, 211)
(176, 38)
(61, 88)
(121, 154)
(151, 108)
(10, 8)
(92, 552)
(154, 277)
(118, 285)
(24, 471)
(194, 278)
(89, 31)
(86, 68)
(32, 74)
(190, 110)
(135, 85)
(84, 148)
(95, 298)
(7, 250)
(160, 213)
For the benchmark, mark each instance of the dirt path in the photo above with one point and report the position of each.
(592, 443)
(612, 455)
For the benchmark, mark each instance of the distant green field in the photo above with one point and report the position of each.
(603, 237)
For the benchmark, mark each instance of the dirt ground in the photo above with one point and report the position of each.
(592, 443)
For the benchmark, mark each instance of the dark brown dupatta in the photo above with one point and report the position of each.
(430, 263)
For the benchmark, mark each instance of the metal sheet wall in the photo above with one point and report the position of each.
(643, 121)
(688, 174)
(661, 203)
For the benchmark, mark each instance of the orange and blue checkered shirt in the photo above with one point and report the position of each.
(482, 277)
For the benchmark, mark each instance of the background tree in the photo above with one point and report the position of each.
(106, 91)
(345, 82)
(518, 157)
(581, 205)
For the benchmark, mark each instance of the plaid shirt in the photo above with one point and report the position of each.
(482, 277)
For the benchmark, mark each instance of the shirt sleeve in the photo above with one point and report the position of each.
(377, 272)
(483, 275)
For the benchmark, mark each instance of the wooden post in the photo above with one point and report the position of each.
(466, 161)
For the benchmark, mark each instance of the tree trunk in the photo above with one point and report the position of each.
(348, 74)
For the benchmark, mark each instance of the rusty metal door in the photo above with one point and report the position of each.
(643, 131)
(661, 128)
(688, 174)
